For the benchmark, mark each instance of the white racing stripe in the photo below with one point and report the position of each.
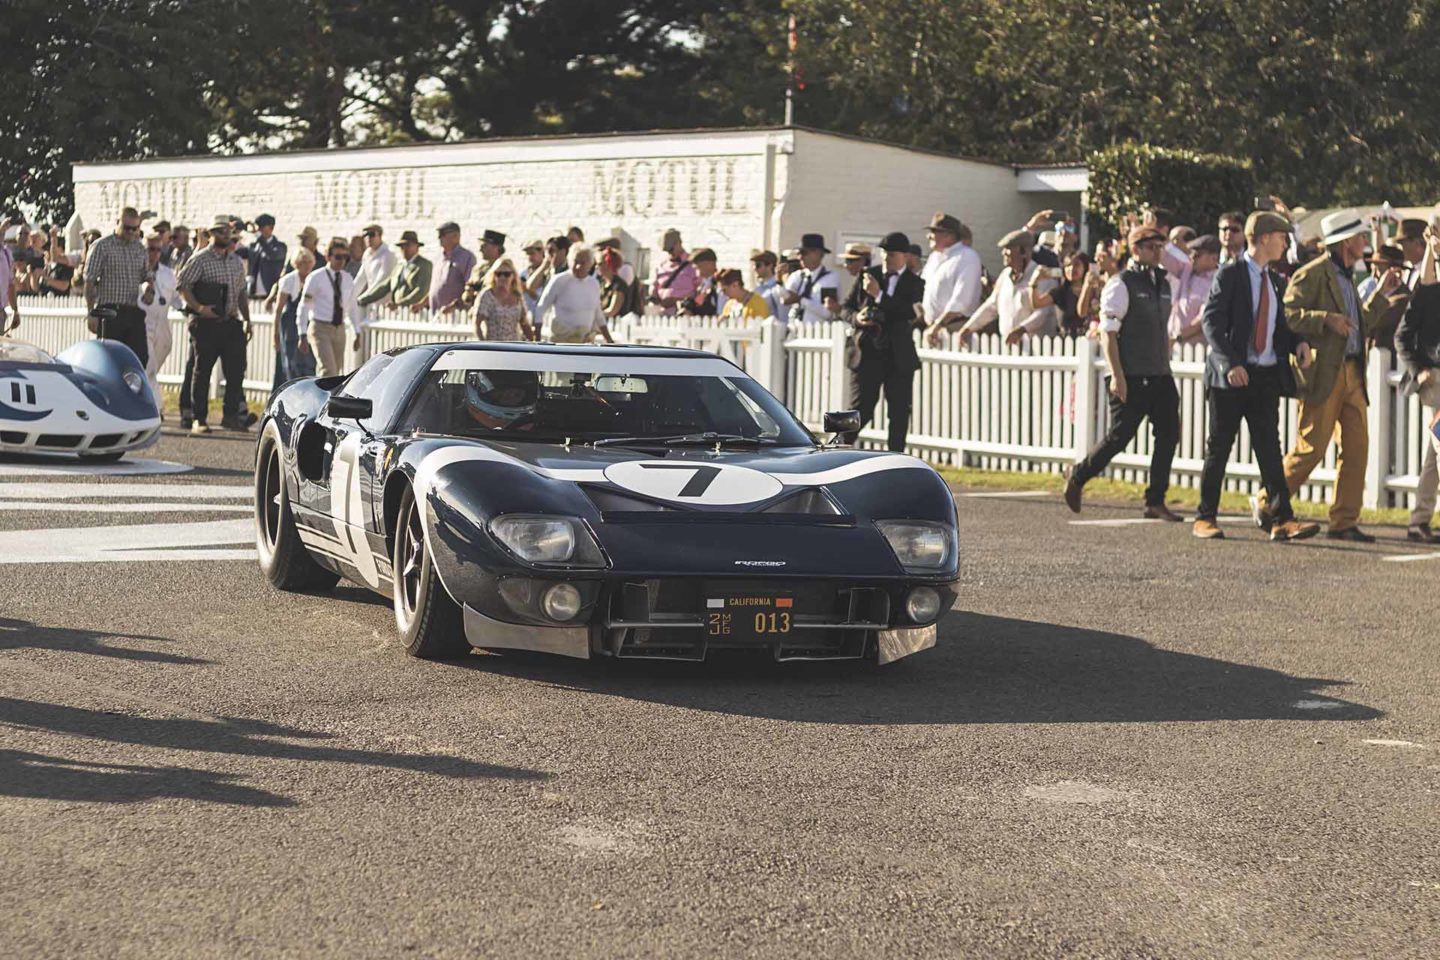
(30, 490)
(74, 466)
(65, 506)
(108, 544)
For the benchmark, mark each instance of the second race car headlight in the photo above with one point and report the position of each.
(135, 381)
(543, 540)
(920, 546)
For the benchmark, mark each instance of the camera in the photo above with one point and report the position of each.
(30, 257)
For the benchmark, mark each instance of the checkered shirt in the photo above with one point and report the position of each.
(213, 267)
(117, 268)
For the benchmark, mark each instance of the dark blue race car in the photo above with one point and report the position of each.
(594, 501)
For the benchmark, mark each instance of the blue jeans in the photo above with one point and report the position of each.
(290, 363)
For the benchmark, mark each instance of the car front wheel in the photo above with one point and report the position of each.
(283, 557)
(430, 622)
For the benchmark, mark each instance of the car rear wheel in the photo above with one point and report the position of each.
(430, 622)
(283, 557)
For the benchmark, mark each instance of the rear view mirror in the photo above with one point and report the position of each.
(349, 408)
(842, 421)
(621, 385)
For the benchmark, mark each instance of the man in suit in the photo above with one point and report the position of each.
(1417, 345)
(1323, 306)
(884, 308)
(1135, 332)
(409, 283)
(1247, 371)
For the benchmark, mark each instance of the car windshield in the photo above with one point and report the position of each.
(586, 398)
(17, 350)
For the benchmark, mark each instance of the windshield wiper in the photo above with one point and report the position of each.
(682, 440)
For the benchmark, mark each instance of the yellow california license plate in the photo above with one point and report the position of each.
(749, 617)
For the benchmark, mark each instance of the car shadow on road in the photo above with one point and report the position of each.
(986, 669)
(37, 776)
(219, 735)
(18, 634)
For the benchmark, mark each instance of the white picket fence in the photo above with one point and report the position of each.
(1034, 407)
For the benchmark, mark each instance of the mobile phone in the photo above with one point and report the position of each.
(1059, 216)
(1263, 203)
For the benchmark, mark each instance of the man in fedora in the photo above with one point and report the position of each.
(953, 277)
(1323, 306)
(884, 308)
(1410, 238)
(1247, 372)
(1134, 330)
(377, 265)
(812, 292)
(1417, 346)
(409, 283)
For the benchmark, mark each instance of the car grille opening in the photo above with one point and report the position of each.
(105, 440)
(12, 436)
(58, 440)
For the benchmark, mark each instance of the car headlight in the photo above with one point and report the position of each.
(548, 540)
(920, 546)
(135, 381)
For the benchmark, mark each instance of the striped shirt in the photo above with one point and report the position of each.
(117, 267)
(212, 267)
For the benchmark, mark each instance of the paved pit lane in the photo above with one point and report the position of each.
(1126, 744)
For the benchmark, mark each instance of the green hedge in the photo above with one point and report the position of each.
(1198, 187)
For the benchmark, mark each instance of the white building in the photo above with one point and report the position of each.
(733, 190)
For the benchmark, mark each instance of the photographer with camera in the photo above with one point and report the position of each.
(7, 280)
(212, 284)
(114, 271)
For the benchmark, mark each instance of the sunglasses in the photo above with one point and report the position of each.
(154, 249)
(128, 228)
(504, 273)
(342, 257)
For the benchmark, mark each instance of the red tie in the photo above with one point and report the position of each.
(1262, 315)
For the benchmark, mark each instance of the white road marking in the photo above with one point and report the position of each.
(1410, 557)
(79, 468)
(1007, 493)
(1074, 791)
(1317, 704)
(108, 544)
(1394, 743)
(150, 491)
(1134, 521)
(50, 506)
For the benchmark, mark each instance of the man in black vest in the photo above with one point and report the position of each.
(882, 308)
(1134, 324)
(1247, 372)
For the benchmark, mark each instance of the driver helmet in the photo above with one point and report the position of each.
(498, 398)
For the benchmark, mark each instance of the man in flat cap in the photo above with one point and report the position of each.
(1011, 300)
(377, 264)
(1134, 330)
(706, 300)
(1417, 347)
(266, 257)
(1323, 306)
(1191, 289)
(952, 275)
(451, 272)
(675, 277)
(1247, 372)
(764, 263)
(812, 292)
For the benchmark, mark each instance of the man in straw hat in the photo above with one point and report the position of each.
(1323, 306)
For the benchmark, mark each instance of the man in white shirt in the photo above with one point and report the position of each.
(378, 264)
(157, 298)
(1011, 301)
(328, 301)
(812, 293)
(574, 296)
(952, 276)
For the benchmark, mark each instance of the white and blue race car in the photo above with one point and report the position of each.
(92, 400)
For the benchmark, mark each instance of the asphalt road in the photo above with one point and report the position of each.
(1127, 744)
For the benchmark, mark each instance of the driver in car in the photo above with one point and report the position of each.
(501, 399)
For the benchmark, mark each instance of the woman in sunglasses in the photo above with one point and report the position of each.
(500, 312)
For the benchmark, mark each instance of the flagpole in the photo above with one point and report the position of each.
(794, 41)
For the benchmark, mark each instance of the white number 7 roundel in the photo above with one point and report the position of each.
(682, 481)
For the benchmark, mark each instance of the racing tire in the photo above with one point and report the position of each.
(112, 457)
(429, 620)
(286, 562)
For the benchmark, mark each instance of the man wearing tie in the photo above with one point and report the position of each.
(1247, 371)
(884, 308)
(329, 299)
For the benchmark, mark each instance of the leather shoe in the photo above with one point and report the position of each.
(1158, 511)
(1262, 519)
(1073, 489)
(1352, 534)
(1421, 533)
(1207, 530)
(1292, 529)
